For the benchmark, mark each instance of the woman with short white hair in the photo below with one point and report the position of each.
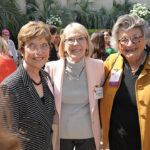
(125, 108)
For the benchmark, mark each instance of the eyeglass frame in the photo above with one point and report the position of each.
(33, 47)
(132, 39)
(79, 40)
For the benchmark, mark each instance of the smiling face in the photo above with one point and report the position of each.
(106, 37)
(6, 36)
(36, 53)
(133, 49)
(75, 45)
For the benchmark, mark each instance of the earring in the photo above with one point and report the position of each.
(86, 52)
(65, 53)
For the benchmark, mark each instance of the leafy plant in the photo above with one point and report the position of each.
(141, 10)
(11, 17)
(54, 20)
(36, 12)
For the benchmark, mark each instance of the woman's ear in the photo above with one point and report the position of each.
(21, 51)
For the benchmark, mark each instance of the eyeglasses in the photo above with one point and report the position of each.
(43, 47)
(134, 39)
(72, 40)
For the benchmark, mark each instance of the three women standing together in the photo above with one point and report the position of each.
(77, 81)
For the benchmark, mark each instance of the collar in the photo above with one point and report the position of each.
(26, 78)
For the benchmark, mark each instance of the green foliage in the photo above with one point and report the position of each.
(36, 12)
(140, 10)
(98, 19)
(80, 11)
(54, 20)
(11, 17)
(90, 31)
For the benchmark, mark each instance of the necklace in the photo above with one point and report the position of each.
(74, 77)
(36, 82)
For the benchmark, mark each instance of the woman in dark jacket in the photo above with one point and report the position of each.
(29, 88)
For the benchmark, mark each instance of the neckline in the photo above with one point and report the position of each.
(36, 82)
(74, 70)
(71, 64)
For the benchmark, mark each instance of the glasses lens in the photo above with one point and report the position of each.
(133, 39)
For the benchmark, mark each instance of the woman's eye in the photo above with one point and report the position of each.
(32, 46)
(70, 40)
(45, 45)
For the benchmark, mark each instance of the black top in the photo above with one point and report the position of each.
(124, 133)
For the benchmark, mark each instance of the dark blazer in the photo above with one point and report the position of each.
(33, 117)
(53, 53)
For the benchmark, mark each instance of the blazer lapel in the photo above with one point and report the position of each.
(59, 75)
(90, 74)
(28, 84)
(146, 69)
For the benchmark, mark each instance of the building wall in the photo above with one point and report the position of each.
(147, 2)
(106, 3)
(22, 5)
(96, 6)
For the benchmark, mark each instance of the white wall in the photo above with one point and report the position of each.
(21, 5)
(103, 3)
(97, 3)
(147, 2)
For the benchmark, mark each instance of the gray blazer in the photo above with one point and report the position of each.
(32, 116)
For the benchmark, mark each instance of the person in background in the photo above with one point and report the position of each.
(7, 65)
(29, 88)
(12, 51)
(97, 39)
(76, 78)
(57, 42)
(108, 48)
(125, 108)
(53, 54)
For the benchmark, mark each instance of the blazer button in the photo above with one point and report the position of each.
(141, 102)
(143, 116)
(140, 87)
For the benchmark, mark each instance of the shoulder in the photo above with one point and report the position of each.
(94, 62)
(54, 64)
(11, 84)
(111, 58)
(10, 41)
(94, 65)
(44, 73)
(12, 80)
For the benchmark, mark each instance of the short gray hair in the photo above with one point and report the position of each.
(127, 22)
